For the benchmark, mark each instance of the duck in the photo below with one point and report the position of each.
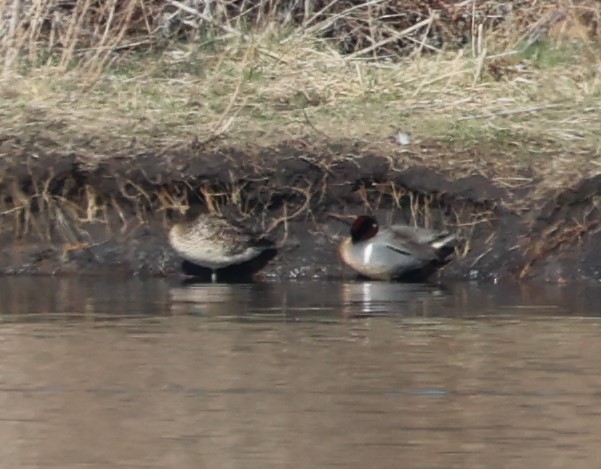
(396, 252)
(210, 241)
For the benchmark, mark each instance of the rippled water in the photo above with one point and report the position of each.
(110, 373)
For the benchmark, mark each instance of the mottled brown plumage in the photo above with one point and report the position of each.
(210, 241)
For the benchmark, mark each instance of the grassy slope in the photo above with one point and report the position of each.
(536, 110)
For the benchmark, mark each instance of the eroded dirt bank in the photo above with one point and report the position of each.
(65, 214)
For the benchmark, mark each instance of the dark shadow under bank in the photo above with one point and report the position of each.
(64, 214)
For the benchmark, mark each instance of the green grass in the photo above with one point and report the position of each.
(547, 54)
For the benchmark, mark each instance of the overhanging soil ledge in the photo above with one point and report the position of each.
(71, 212)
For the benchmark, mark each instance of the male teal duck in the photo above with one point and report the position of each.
(211, 242)
(396, 251)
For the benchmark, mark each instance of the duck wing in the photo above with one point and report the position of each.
(236, 238)
(408, 247)
(418, 234)
(421, 243)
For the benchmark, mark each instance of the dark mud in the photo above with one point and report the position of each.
(67, 214)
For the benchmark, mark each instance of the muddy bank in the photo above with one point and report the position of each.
(65, 213)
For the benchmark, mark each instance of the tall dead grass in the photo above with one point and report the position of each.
(98, 32)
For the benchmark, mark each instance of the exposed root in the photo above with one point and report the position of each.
(121, 214)
(575, 215)
(562, 234)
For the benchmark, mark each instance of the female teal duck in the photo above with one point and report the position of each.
(396, 251)
(210, 241)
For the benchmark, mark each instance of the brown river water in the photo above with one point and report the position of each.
(114, 373)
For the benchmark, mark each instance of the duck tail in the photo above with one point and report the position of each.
(445, 245)
(263, 243)
(268, 250)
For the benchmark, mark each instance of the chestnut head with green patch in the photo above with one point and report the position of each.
(363, 228)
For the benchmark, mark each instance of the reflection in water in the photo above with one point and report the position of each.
(98, 373)
(377, 297)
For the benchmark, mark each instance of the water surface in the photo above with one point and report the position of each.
(153, 373)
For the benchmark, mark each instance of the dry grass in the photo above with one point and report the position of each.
(509, 100)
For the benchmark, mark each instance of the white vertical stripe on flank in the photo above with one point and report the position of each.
(369, 249)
